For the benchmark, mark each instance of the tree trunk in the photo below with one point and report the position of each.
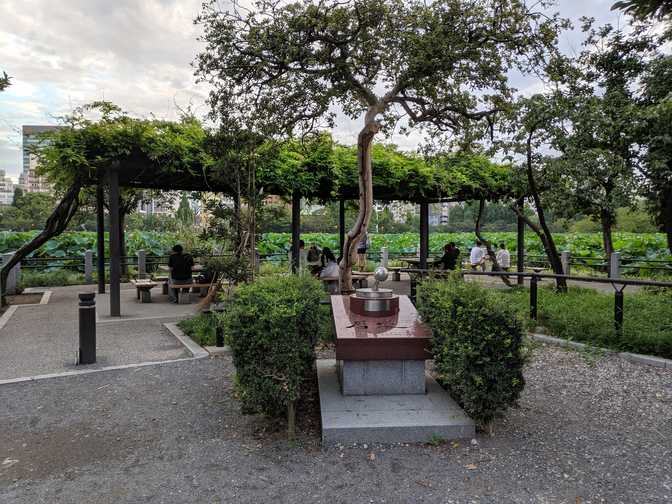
(606, 221)
(353, 236)
(56, 223)
(542, 231)
(488, 246)
(291, 421)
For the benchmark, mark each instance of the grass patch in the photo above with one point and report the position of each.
(56, 278)
(587, 316)
(201, 328)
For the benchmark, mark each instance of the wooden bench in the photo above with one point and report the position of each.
(144, 289)
(164, 281)
(185, 297)
(396, 273)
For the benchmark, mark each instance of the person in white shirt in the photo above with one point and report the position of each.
(329, 265)
(503, 257)
(477, 257)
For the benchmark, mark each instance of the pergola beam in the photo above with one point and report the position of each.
(296, 231)
(100, 237)
(115, 243)
(424, 234)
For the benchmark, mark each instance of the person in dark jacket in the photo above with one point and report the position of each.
(450, 256)
(180, 266)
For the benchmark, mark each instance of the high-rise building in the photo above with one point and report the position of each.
(6, 189)
(29, 181)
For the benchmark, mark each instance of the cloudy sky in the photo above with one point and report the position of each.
(136, 53)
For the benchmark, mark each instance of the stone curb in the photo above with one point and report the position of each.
(192, 347)
(645, 360)
(214, 350)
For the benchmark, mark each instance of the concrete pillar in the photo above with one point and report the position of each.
(564, 259)
(615, 265)
(12, 277)
(142, 264)
(88, 266)
(384, 257)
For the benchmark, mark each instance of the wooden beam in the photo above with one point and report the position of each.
(341, 227)
(115, 244)
(424, 234)
(296, 230)
(100, 237)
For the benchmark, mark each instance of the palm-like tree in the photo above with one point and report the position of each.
(643, 9)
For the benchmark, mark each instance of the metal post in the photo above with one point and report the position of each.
(615, 265)
(424, 234)
(115, 245)
(341, 226)
(520, 243)
(88, 266)
(296, 230)
(12, 276)
(564, 259)
(87, 328)
(533, 297)
(618, 311)
(100, 235)
(142, 264)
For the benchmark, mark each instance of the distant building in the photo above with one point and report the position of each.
(6, 189)
(29, 181)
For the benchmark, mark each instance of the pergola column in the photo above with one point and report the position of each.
(100, 237)
(520, 245)
(115, 243)
(296, 230)
(424, 234)
(341, 226)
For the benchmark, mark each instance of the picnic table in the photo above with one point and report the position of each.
(415, 261)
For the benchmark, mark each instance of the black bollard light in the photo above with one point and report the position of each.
(87, 328)
(533, 297)
(219, 330)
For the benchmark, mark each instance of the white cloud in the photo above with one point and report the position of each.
(136, 53)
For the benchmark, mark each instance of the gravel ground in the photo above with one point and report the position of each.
(588, 429)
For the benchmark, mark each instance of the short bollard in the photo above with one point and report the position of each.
(618, 312)
(87, 328)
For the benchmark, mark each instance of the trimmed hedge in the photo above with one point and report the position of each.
(272, 326)
(477, 346)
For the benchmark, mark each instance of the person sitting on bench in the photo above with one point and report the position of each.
(180, 266)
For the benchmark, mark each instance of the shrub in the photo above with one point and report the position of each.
(231, 268)
(477, 346)
(272, 325)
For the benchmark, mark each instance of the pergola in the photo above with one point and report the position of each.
(141, 173)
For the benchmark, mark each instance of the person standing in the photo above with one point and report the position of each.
(477, 257)
(362, 247)
(450, 256)
(180, 266)
(503, 257)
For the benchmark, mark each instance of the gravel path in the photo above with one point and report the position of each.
(586, 431)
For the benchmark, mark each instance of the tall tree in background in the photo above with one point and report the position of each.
(443, 64)
(599, 143)
(645, 9)
(656, 134)
(184, 213)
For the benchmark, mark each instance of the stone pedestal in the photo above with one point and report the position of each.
(371, 377)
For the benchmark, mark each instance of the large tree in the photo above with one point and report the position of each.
(656, 135)
(443, 64)
(599, 143)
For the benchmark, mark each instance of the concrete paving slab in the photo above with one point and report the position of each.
(404, 418)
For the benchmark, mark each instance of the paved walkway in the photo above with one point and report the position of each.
(585, 432)
(44, 339)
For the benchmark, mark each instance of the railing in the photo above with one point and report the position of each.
(534, 280)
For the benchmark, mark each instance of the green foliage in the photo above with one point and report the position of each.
(54, 278)
(231, 268)
(645, 9)
(5, 81)
(28, 211)
(184, 213)
(477, 345)
(201, 328)
(588, 316)
(271, 325)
